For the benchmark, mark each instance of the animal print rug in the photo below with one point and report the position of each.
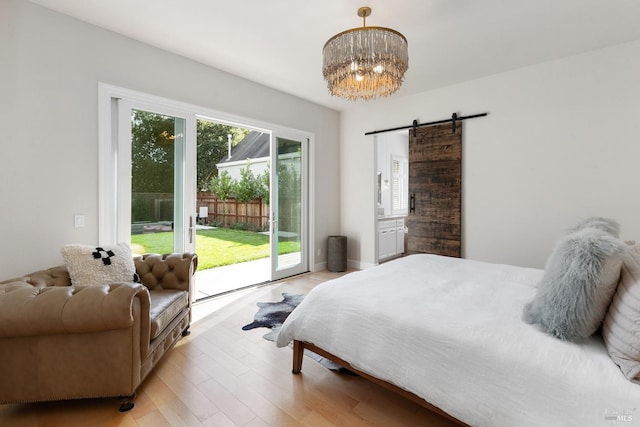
(273, 314)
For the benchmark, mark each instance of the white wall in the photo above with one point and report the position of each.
(561, 142)
(51, 66)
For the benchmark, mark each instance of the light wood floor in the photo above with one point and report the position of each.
(222, 376)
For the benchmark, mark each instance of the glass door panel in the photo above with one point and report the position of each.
(288, 207)
(157, 182)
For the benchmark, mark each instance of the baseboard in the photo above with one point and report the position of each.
(359, 265)
(319, 266)
(351, 263)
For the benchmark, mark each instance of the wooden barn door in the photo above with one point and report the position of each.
(435, 181)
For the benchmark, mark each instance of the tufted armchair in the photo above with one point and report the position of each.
(60, 342)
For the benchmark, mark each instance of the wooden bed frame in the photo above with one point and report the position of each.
(298, 353)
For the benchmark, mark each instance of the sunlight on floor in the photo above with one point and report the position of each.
(202, 309)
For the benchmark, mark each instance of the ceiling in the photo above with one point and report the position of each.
(278, 43)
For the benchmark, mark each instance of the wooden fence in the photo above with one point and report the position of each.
(254, 214)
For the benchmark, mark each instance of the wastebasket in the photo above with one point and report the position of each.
(337, 253)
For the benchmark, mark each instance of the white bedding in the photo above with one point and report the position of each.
(450, 330)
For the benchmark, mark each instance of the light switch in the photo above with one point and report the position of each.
(78, 221)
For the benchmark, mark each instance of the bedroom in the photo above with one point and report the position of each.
(560, 141)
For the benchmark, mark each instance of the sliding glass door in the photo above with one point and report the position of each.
(150, 196)
(289, 203)
(153, 176)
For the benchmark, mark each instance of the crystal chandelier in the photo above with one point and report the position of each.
(366, 62)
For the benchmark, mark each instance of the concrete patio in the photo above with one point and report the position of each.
(219, 280)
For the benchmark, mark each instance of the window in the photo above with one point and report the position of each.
(399, 182)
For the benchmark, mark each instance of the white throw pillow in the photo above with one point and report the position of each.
(621, 328)
(99, 265)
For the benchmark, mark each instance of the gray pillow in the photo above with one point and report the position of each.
(578, 284)
(607, 225)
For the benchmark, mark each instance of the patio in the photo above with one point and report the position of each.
(220, 280)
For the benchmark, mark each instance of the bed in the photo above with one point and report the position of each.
(448, 333)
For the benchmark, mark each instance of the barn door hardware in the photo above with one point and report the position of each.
(454, 119)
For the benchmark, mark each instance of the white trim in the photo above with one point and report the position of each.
(122, 178)
(242, 162)
(376, 242)
(106, 163)
(359, 265)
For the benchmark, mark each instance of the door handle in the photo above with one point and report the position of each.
(274, 223)
(190, 229)
(412, 203)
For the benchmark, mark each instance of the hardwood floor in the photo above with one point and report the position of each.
(222, 376)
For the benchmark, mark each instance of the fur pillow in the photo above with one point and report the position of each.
(99, 265)
(621, 327)
(578, 284)
(607, 225)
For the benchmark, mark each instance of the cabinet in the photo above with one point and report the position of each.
(390, 238)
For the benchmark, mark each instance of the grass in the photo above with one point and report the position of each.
(216, 246)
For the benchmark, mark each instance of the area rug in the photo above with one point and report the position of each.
(273, 314)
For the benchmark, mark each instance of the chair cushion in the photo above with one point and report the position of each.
(166, 304)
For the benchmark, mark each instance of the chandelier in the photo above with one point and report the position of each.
(364, 63)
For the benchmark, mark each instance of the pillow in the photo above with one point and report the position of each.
(577, 286)
(621, 327)
(99, 265)
(607, 225)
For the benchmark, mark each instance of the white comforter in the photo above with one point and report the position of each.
(450, 331)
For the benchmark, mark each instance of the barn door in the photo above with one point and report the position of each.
(435, 181)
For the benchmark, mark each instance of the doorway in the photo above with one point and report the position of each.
(163, 162)
(391, 184)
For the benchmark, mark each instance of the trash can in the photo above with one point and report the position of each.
(337, 253)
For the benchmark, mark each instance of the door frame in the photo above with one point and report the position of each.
(303, 266)
(108, 98)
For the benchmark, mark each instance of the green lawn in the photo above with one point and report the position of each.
(215, 247)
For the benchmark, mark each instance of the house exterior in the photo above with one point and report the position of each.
(254, 148)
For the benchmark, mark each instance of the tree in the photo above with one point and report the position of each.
(247, 188)
(289, 195)
(222, 186)
(152, 152)
(264, 180)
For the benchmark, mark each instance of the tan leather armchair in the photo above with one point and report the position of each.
(61, 342)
